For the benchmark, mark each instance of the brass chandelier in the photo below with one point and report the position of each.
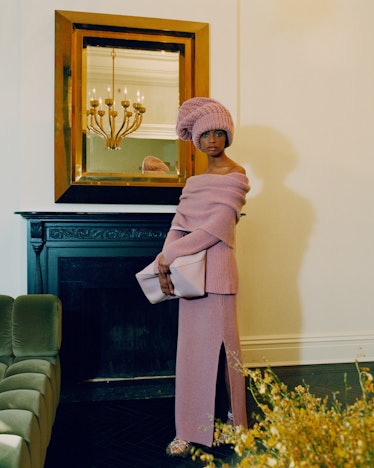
(106, 127)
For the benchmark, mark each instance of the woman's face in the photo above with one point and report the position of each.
(213, 142)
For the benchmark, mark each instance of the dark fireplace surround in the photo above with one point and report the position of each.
(111, 333)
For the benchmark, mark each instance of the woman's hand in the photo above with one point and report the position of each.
(164, 276)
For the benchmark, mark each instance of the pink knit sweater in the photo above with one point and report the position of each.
(208, 211)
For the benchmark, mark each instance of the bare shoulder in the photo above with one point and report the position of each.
(225, 166)
(238, 168)
(233, 166)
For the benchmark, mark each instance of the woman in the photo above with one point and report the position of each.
(205, 218)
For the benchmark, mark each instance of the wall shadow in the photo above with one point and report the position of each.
(273, 238)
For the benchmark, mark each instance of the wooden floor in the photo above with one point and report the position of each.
(112, 432)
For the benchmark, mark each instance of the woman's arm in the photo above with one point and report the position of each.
(172, 236)
(186, 245)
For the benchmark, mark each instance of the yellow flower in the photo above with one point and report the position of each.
(295, 429)
(271, 461)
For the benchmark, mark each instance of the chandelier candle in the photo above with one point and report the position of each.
(130, 123)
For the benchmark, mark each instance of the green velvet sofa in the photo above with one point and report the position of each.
(30, 377)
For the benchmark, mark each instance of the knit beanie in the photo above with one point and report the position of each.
(201, 114)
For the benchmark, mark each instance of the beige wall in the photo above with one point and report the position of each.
(298, 76)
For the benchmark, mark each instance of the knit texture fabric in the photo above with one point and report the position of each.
(204, 326)
(208, 202)
(201, 114)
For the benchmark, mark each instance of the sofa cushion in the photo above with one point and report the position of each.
(30, 400)
(31, 364)
(6, 305)
(24, 424)
(3, 369)
(48, 367)
(13, 452)
(30, 381)
(36, 325)
(36, 366)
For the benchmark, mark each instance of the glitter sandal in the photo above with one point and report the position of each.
(178, 448)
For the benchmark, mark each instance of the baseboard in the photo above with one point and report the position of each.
(289, 350)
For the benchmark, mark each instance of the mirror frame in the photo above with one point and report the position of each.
(73, 185)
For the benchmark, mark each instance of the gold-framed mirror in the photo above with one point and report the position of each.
(106, 67)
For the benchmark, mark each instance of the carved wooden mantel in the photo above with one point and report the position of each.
(89, 260)
(50, 231)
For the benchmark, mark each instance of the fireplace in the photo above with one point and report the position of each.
(112, 336)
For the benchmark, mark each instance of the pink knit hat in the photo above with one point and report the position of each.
(201, 114)
(154, 164)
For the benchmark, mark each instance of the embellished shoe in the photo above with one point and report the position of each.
(178, 448)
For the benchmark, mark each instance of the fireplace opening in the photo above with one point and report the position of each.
(113, 332)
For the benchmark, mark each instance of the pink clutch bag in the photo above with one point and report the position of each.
(187, 275)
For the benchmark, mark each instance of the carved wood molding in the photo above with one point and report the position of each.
(96, 233)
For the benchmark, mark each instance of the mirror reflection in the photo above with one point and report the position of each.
(104, 64)
(117, 80)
